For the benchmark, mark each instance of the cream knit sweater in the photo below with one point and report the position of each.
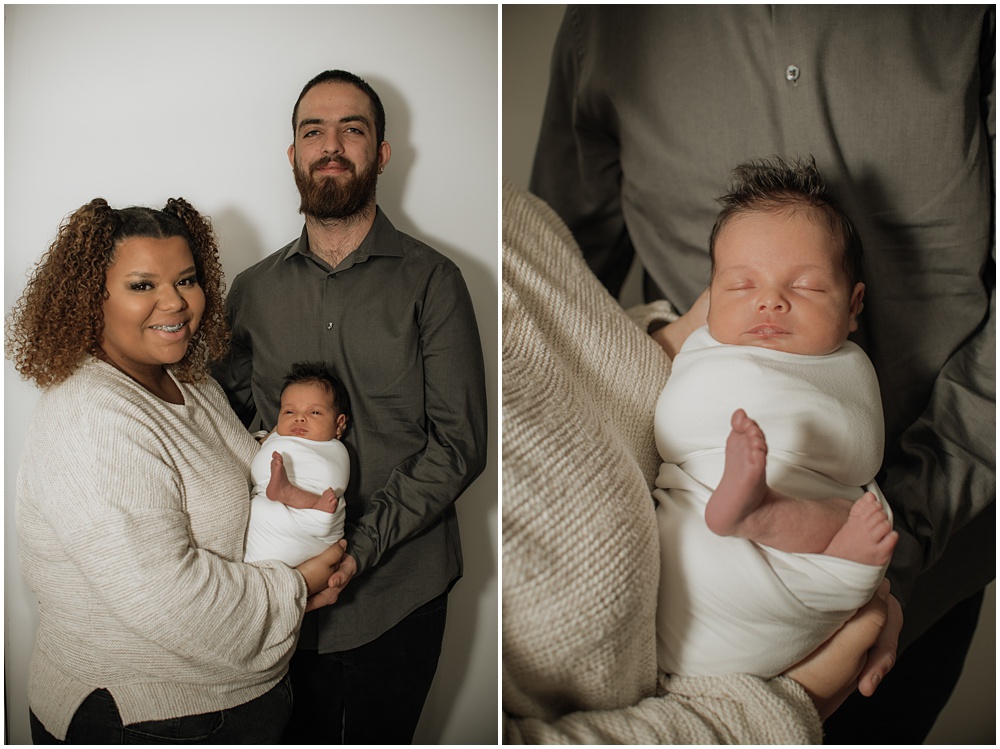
(131, 514)
(580, 545)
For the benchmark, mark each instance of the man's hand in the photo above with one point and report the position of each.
(833, 670)
(672, 335)
(882, 657)
(335, 585)
(316, 571)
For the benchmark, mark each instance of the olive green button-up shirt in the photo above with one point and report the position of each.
(394, 320)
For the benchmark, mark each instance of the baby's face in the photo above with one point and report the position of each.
(307, 411)
(780, 283)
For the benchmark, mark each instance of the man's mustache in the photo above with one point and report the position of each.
(339, 160)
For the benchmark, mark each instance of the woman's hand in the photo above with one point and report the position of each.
(672, 335)
(317, 571)
(832, 671)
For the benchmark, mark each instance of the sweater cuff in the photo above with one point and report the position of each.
(652, 316)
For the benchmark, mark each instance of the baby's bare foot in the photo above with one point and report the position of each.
(281, 489)
(867, 536)
(327, 501)
(743, 487)
(278, 486)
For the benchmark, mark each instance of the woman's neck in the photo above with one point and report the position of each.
(155, 379)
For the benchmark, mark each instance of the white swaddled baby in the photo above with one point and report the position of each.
(302, 470)
(728, 605)
(289, 534)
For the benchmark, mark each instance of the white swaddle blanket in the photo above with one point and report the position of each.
(276, 531)
(727, 605)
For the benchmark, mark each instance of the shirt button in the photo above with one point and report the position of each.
(792, 73)
(329, 326)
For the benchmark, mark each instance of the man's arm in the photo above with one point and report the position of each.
(576, 168)
(946, 471)
(945, 475)
(425, 485)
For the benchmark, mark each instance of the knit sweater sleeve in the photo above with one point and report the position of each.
(738, 709)
(146, 512)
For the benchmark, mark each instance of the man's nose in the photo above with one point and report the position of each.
(332, 143)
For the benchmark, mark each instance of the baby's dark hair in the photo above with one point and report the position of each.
(777, 185)
(317, 373)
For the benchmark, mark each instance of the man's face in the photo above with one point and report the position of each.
(335, 156)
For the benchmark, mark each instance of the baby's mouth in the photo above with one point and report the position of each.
(768, 330)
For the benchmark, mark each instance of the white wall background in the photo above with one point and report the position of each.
(528, 35)
(140, 103)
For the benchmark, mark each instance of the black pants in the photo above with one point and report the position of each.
(372, 694)
(97, 721)
(906, 705)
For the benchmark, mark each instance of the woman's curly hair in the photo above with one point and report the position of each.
(59, 320)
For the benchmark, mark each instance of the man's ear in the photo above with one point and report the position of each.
(291, 155)
(384, 152)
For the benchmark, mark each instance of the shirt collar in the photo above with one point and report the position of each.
(381, 239)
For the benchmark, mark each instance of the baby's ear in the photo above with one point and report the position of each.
(857, 304)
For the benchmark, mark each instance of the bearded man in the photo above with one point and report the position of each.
(394, 320)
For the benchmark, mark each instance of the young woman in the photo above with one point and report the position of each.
(133, 497)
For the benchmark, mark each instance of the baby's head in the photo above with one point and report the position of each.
(314, 404)
(786, 262)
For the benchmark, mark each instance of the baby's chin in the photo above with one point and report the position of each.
(788, 344)
(304, 435)
(784, 341)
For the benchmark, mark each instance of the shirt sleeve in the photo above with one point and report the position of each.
(420, 489)
(946, 475)
(233, 373)
(577, 170)
(738, 709)
(117, 509)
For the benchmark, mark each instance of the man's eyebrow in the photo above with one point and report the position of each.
(343, 120)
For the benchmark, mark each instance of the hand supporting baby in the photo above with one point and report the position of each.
(672, 335)
(859, 655)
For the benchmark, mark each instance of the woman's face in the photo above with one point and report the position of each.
(154, 304)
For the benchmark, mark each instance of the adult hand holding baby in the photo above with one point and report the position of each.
(343, 571)
(859, 655)
(672, 336)
(316, 572)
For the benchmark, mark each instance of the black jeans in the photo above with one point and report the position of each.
(97, 721)
(372, 694)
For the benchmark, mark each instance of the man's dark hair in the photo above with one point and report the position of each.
(342, 76)
(778, 185)
(317, 373)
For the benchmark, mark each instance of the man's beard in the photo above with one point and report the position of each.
(333, 198)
